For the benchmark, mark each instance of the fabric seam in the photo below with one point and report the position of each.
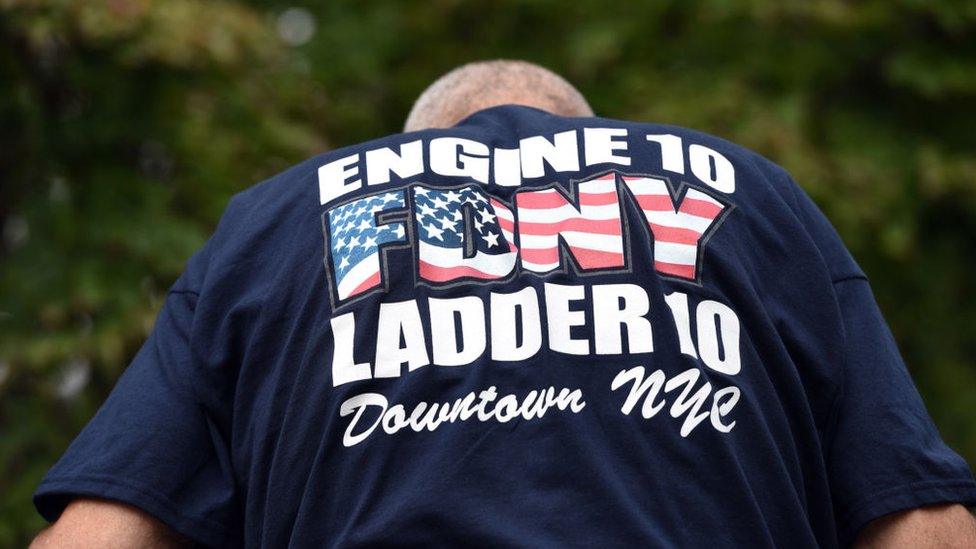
(849, 278)
(50, 486)
(877, 498)
(181, 292)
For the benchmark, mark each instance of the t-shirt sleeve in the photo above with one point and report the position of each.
(882, 449)
(153, 444)
(884, 453)
(836, 258)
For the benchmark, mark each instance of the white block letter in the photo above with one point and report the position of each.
(609, 315)
(561, 154)
(333, 177)
(599, 145)
(396, 319)
(344, 367)
(442, 332)
(456, 156)
(708, 337)
(504, 308)
(561, 320)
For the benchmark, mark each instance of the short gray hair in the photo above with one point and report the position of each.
(479, 85)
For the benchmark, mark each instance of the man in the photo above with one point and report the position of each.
(516, 325)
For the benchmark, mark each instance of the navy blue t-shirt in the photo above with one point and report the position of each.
(525, 330)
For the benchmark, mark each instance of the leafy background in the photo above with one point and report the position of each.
(125, 125)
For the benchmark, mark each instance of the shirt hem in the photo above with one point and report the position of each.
(54, 494)
(903, 498)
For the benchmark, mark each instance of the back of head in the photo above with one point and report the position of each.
(480, 85)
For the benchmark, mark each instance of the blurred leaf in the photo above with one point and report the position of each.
(127, 124)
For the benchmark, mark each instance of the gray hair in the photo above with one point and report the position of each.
(479, 85)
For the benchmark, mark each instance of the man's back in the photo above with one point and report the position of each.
(523, 330)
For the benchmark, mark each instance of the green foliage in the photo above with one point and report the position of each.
(126, 124)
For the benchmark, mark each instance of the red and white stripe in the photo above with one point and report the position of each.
(439, 264)
(506, 221)
(361, 277)
(592, 231)
(677, 230)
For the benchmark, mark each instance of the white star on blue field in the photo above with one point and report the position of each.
(354, 231)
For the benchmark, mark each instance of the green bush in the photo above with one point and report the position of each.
(126, 125)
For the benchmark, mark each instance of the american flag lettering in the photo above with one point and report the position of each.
(677, 229)
(356, 239)
(462, 233)
(592, 230)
